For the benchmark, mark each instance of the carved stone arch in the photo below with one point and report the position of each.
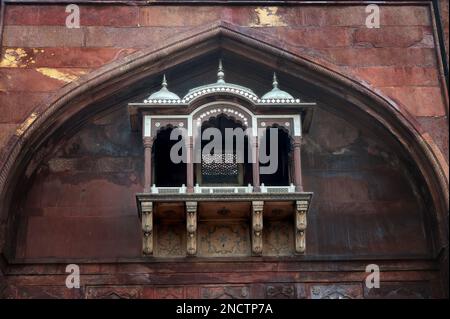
(286, 125)
(249, 98)
(360, 100)
(237, 112)
(228, 99)
(162, 139)
(160, 124)
(286, 135)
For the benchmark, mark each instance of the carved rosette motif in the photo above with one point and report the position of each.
(191, 227)
(300, 226)
(147, 228)
(257, 227)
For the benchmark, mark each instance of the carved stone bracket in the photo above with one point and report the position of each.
(191, 227)
(300, 225)
(147, 228)
(257, 227)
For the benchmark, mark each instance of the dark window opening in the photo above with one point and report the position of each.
(167, 173)
(282, 175)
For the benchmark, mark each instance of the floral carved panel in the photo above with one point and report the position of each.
(224, 239)
(278, 238)
(170, 240)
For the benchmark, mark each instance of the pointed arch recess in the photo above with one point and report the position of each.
(87, 90)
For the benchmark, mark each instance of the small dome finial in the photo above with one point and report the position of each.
(220, 73)
(276, 93)
(163, 93)
(275, 81)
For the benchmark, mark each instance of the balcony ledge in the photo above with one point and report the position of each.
(306, 197)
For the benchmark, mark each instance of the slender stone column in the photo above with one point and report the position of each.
(297, 164)
(189, 164)
(255, 165)
(148, 144)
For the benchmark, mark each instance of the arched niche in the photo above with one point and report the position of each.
(166, 173)
(284, 170)
(217, 171)
(340, 98)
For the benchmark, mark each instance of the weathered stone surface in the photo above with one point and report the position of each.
(434, 126)
(81, 236)
(43, 36)
(356, 15)
(6, 131)
(444, 8)
(381, 56)
(111, 15)
(326, 37)
(128, 37)
(44, 292)
(394, 37)
(39, 79)
(61, 57)
(399, 290)
(319, 16)
(398, 76)
(419, 101)
(182, 16)
(16, 106)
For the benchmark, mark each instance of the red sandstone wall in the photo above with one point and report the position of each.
(40, 55)
(444, 7)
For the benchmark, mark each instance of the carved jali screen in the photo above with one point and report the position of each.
(221, 169)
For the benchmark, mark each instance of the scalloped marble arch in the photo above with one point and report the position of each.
(89, 89)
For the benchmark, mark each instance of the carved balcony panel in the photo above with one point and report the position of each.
(224, 225)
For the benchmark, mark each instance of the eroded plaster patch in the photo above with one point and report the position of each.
(66, 76)
(14, 58)
(26, 124)
(268, 17)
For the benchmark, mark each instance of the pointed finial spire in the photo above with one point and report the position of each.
(163, 93)
(276, 93)
(275, 81)
(220, 73)
(164, 81)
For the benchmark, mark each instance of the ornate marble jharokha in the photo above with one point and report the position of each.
(199, 202)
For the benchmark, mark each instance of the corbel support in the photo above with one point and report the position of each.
(301, 208)
(191, 227)
(257, 227)
(147, 228)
